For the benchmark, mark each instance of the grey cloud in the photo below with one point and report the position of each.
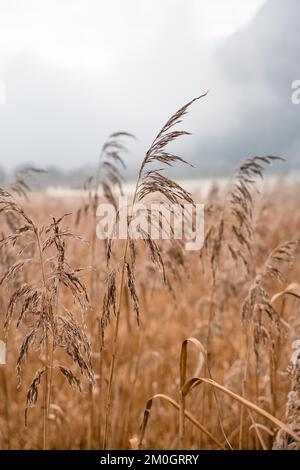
(61, 116)
(257, 67)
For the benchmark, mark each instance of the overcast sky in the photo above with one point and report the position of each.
(77, 70)
(95, 34)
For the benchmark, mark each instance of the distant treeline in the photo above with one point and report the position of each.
(51, 176)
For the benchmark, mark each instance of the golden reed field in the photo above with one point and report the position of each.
(140, 343)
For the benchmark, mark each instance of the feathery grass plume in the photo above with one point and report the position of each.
(257, 307)
(242, 206)
(132, 291)
(175, 262)
(108, 175)
(109, 302)
(109, 179)
(234, 232)
(262, 321)
(39, 301)
(152, 181)
(292, 414)
(232, 235)
(149, 181)
(111, 163)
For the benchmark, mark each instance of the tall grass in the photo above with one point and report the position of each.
(105, 335)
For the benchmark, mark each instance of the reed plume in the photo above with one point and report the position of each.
(36, 307)
(149, 181)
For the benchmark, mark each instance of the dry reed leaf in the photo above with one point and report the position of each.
(198, 381)
(183, 358)
(33, 391)
(292, 289)
(183, 373)
(185, 384)
(257, 430)
(176, 405)
(262, 427)
(258, 308)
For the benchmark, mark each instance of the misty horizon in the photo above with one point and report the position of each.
(60, 107)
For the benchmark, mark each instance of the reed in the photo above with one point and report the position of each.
(94, 328)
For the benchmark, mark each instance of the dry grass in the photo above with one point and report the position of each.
(103, 337)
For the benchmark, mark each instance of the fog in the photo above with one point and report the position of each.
(76, 71)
